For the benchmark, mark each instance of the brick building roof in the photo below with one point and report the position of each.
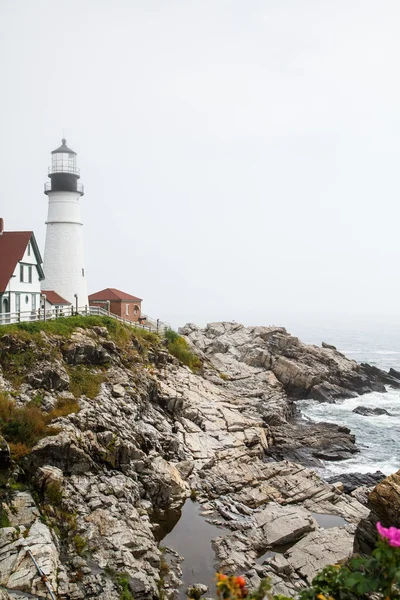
(12, 249)
(54, 298)
(113, 294)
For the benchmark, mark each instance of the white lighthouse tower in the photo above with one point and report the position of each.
(63, 263)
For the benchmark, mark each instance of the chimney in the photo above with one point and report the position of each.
(1, 225)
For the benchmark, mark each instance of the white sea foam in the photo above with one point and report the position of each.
(377, 436)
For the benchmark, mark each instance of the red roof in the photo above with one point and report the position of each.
(113, 294)
(12, 249)
(54, 298)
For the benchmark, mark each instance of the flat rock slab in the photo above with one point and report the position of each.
(284, 524)
(318, 549)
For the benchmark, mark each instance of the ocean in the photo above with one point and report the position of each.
(377, 437)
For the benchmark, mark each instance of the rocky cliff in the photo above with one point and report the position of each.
(88, 497)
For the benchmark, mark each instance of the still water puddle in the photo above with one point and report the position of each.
(188, 533)
(328, 521)
(191, 537)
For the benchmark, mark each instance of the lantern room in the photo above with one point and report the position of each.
(63, 173)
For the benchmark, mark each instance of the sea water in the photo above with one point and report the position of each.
(377, 436)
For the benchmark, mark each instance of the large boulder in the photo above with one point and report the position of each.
(384, 502)
(83, 349)
(352, 481)
(49, 376)
(366, 411)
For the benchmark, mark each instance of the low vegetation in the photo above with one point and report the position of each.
(79, 544)
(24, 426)
(376, 576)
(85, 381)
(178, 347)
(122, 581)
(64, 326)
(54, 493)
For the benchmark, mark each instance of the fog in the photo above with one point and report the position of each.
(240, 159)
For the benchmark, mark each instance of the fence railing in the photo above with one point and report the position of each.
(41, 314)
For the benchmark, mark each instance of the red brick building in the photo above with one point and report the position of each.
(120, 303)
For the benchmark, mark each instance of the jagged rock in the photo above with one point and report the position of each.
(50, 376)
(330, 392)
(48, 474)
(366, 411)
(63, 451)
(384, 500)
(101, 331)
(394, 373)
(328, 346)
(380, 376)
(307, 443)
(351, 481)
(199, 587)
(17, 570)
(166, 487)
(5, 456)
(22, 510)
(153, 433)
(83, 349)
(361, 494)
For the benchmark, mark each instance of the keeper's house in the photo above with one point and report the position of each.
(20, 271)
(119, 303)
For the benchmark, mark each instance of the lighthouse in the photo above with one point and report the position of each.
(63, 263)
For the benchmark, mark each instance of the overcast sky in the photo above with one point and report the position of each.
(240, 157)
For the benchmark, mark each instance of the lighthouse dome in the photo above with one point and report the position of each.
(63, 148)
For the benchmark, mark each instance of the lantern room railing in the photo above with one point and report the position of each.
(64, 168)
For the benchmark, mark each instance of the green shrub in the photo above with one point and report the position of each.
(360, 576)
(122, 580)
(79, 544)
(4, 520)
(193, 495)
(178, 347)
(22, 426)
(85, 381)
(63, 407)
(54, 492)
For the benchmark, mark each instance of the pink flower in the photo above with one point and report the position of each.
(392, 534)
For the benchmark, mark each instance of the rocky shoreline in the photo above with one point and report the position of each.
(156, 433)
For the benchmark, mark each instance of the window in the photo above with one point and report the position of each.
(18, 302)
(21, 272)
(30, 274)
(26, 299)
(29, 249)
(127, 309)
(83, 272)
(135, 309)
(33, 301)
